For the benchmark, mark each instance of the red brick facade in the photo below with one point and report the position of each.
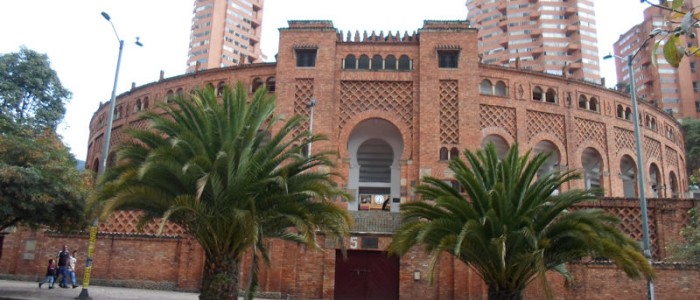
(428, 109)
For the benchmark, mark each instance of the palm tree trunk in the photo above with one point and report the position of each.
(221, 277)
(504, 294)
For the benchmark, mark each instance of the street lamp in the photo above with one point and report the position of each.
(640, 164)
(310, 105)
(103, 164)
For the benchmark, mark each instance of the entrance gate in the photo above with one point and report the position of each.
(366, 275)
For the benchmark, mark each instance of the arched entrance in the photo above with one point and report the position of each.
(375, 146)
(592, 163)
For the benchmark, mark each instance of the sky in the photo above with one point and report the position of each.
(83, 48)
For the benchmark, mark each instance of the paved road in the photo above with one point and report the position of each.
(21, 290)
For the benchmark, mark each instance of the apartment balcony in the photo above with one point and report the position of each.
(573, 47)
(571, 10)
(536, 32)
(535, 15)
(503, 23)
(575, 65)
(257, 4)
(573, 28)
(503, 41)
(502, 7)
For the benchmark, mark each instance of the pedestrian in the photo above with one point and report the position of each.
(50, 273)
(71, 267)
(63, 261)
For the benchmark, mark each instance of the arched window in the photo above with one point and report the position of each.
(96, 166)
(350, 62)
(169, 96)
(257, 83)
(654, 180)
(486, 87)
(390, 63)
(220, 88)
(552, 162)
(377, 63)
(137, 106)
(582, 102)
(653, 124)
(145, 103)
(628, 114)
(620, 112)
(454, 153)
(111, 159)
(537, 93)
(271, 84)
(673, 185)
(551, 96)
(592, 163)
(363, 62)
(444, 154)
(404, 63)
(594, 105)
(628, 175)
(501, 89)
(180, 92)
(498, 142)
(647, 121)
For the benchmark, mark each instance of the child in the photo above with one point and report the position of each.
(50, 274)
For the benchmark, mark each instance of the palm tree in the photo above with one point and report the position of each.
(510, 226)
(214, 167)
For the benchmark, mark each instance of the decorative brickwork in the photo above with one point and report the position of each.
(304, 92)
(652, 148)
(671, 157)
(449, 112)
(498, 116)
(587, 130)
(126, 222)
(624, 139)
(630, 223)
(393, 97)
(539, 122)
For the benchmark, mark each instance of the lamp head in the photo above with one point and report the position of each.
(138, 43)
(106, 16)
(609, 56)
(311, 103)
(654, 32)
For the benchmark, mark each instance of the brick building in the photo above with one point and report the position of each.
(554, 37)
(396, 108)
(675, 90)
(225, 33)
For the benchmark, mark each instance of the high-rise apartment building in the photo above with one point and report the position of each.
(552, 36)
(675, 90)
(225, 33)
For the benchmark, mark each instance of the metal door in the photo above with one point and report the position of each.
(366, 275)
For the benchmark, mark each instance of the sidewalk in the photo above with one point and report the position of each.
(21, 290)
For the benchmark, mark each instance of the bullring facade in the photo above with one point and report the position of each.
(397, 107)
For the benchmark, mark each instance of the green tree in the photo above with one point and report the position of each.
(30, 92)
(510, 227)
(678, 36)
(39, 182)
(219, 172)
(691, 133)
(689, 250)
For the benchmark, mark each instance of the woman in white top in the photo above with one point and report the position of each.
(71, 267)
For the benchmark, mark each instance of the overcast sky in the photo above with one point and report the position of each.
(83, 48)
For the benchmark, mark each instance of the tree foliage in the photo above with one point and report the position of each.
(510, 226)
(220, 171)
(678, 38)
(691, 132)
(30, 92)
(39, 182)
(689, 250)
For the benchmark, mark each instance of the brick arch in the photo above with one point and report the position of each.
(498, 131)
(544, 136)
(575, 161)
(352, 122)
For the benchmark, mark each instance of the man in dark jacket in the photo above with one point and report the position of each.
(63, 261)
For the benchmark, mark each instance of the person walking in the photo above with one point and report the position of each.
(50, 273)
(63, 261)
(71, 267)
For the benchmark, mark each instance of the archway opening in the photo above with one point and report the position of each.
(592, 163)
(628, 174)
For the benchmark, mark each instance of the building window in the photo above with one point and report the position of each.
(404, 63)
(448, 59)
(363, 63)
(306, 58)
(500, 89)
(485, 87)
(350, 62)
(696, 86)
(454, 153)
(551, 96)
(593, 105)
(257, 83)
(270, 84)
(537, 94)
(444, 154)
(693, 67)
(377, 63)
(390, 63)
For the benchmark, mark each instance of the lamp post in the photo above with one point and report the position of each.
(640, 165)
(103, 164)
(310, 105)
